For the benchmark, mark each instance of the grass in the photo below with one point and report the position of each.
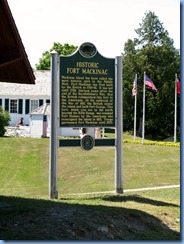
(82, 171)
(24, 166)
(144, 215)
(103, 217)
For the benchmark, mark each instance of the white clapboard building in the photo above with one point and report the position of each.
(32, 103)
(40, 124)
(20, 99)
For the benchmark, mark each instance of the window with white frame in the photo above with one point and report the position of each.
(34, 104)
(13, 106)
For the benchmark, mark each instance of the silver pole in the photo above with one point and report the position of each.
(53, 191)
(143, 111)
(119, 127)
(135, 110)
(175, 110)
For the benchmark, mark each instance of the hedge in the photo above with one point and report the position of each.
(158, 143)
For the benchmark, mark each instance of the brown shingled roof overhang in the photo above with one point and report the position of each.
(14, 63)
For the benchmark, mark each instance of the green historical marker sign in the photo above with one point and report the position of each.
(87, 89)
(90, 95)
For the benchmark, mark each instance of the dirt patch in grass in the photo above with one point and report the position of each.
(31, 219)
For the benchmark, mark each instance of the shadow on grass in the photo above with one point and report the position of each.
(38, 219)
(139, 199)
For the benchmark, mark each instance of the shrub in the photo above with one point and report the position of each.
(158, 143)
(4, 119)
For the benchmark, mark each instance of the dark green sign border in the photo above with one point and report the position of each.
(104, 65)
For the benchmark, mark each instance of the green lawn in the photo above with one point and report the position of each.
(24, 174)
(25, 167)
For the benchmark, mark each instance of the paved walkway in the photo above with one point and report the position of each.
(128, 190)
(152, 188)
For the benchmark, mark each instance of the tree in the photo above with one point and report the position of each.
(4, 119)
(152, 32)
(151, 52)
(44, 62)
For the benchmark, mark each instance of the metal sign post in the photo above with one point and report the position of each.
(86, 92)
(119, 127)
(53, 191)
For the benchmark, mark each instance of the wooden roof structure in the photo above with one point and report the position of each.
(14, 63)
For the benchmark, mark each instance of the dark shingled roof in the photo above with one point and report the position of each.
(14, 63)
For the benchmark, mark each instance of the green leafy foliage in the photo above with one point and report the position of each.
(152, 52)
(44, 62)
(151, 31)
(4, 119)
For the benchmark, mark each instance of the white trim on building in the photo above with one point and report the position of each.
(40, 124)
(28, 102)
(40, 121)
(20, 99)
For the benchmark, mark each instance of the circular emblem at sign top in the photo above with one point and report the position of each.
(87, 50)
(87, 142)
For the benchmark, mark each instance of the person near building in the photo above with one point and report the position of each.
(20, 123)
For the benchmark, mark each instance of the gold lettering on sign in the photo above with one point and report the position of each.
(86, 99)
